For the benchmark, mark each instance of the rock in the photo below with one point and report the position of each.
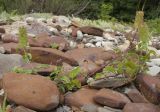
(41, 40)
(80, 98)
(108, 45)
(9, 61)
(61, 20)
(156, 61)
(74, 31)
(91, 31)
(41, 69)
(72, 44)
(89, 108)
(153, 71)
(53, 30)
(88, 67)
(98, 39)
(7, 38)
(140, 107)
(124, 46)
(136, 96)
(26, 90)
(79, 35)
(90, 54)
(37, 28)
(30, 20)
(8, 46)
(111, 98)
(148, 86)
(61, 42)
(22, 109)
(2, 30)
(64, 109)
(49, 56)
(99, 44)
(109, 82)
(41, 20)
(2, 50)
(90, 45)
(108, 109)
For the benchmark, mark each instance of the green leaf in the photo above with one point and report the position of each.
(110, 69)
(74, 73)
(65, 79)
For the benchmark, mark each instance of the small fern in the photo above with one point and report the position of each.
(23, 41)
(23, 44)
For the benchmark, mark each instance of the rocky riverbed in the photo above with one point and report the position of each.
(65, 42)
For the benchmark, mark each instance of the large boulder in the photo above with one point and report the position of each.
(9, 61)
(91, 54)
(32, 91)
(141, 107)
(111, 98)
(148, 85)
(49, 56)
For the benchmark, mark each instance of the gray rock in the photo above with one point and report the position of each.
(108, 109)
(98, 39)
(99, 44)
(153, 71)
(89, 108)
(64, 109)
(2, 50)
(89, 45)
(73, 44)
(30, 20)
(79, 35)
(7, 62)
(61, 20)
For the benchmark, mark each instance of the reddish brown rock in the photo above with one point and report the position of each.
(81, 98)
(148, 86)
(111, 98)
(22, 109)
(9, 46)
(61, 42)
(74, 31)
(49, 56)
(92, 31)
(89, 68)
(41, 40)
(141, 107)
(136, 96)
(91, 54)
(7, 38)
(32, 91)
(2, 30)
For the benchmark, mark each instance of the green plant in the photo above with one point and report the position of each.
(29, 71)
(54, 46)
(3, 108)
(23, 44)
(24, 71)
(67, 82)
(106, 9)
(134, 62)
